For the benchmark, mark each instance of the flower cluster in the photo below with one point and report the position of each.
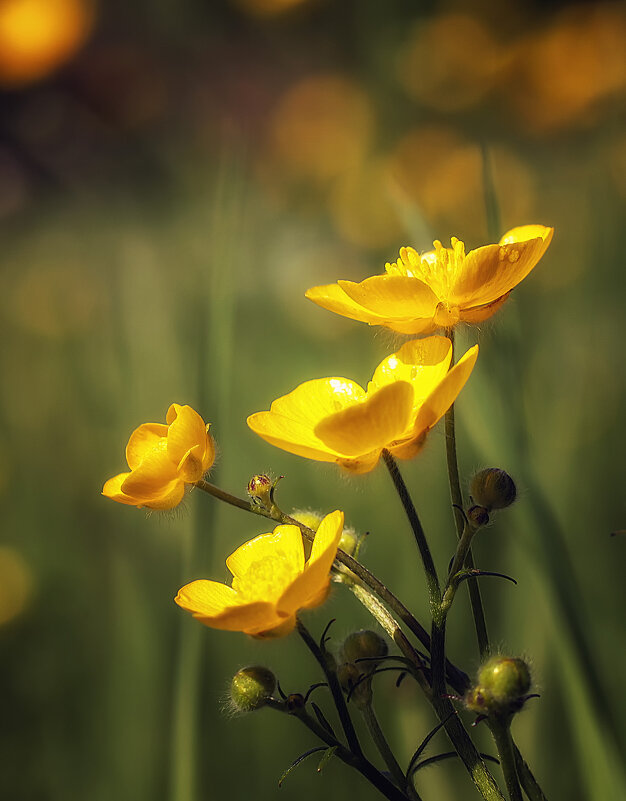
(335, 420)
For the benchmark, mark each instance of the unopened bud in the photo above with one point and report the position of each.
(349, 541)
(478, 516)
(493, 488)
(348, 674)
(502, 687)
(362, 645)
(308, 518)
(260, 489)
(251, 687)
(295, 702)
(505, 677)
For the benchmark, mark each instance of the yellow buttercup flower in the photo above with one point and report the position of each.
(271, 582)
(422, 293)
(335, 420)
(162, 459)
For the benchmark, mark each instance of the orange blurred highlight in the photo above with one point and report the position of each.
(442, 174)
(321, 127)
(362, 206)
(267, 8)
(16, 584)
(37, 36)
(566, 73)
(451, 62)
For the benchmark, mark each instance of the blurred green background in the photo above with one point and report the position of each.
(173, 177)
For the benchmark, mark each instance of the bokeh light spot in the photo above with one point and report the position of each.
(16, 584)
(37, 36)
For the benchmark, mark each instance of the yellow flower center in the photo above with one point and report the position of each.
(438, 268)
(265, 579)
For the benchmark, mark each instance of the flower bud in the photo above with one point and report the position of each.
(295, 702)
(349, 541)
(251, 687)
(505, 678)
(478, 516)
(348, 674)
(260, 489)
(493, 488)
(308, 518)
(363, 644)
(502, 687)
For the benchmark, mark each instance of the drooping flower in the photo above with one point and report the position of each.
(162, 459)
(271, 582)
(335, 420)
(422, 293)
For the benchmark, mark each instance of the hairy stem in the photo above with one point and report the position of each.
(501, 730)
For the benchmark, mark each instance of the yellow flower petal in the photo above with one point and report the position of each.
(445, 393)
(153, 473)
(291, 419)
(143, 440)
(370, 425)
(333, 298)
(492, 271)
(309, 589)
(285, 540)
(113, 489)
(218, 606)
(477, 314)
(421, 362)
(186, 431)
(393, 297)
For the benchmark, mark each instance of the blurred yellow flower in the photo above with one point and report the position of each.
(421, 293)
(271, 582)
(335, 420)
(162, 459)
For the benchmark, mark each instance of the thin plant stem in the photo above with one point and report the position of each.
(456, 496)
(501, 730)
(324, 661)
(432, 581)
(384, 749)
(457, 678)
(359, 762)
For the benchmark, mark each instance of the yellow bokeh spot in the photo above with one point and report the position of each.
(321, 127)
(565, 73)
(16, 584)
(441, 173)
(37, 36)
(451, 62)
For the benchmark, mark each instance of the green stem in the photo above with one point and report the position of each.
(501, 730)
(432, 581)
(456, 496)
(384, 749)
(360, 763)
(456, 677)
(324, 660)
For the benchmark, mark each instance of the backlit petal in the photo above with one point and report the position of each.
(333, 298)
(307, 588)
(284, 433)
(393, 297)
(186, 430)
(143, 440)
(369, 425)
(421, 362)
(444, 395)
(155, 471)
(477, 314)
(490, 272)
(286, 540)
(113, 489)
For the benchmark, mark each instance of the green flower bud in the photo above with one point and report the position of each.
(260, 489)
(363, 644)
(493, 488)
(506, 678)
(251, 687)
(308, 518)
(349, 541)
